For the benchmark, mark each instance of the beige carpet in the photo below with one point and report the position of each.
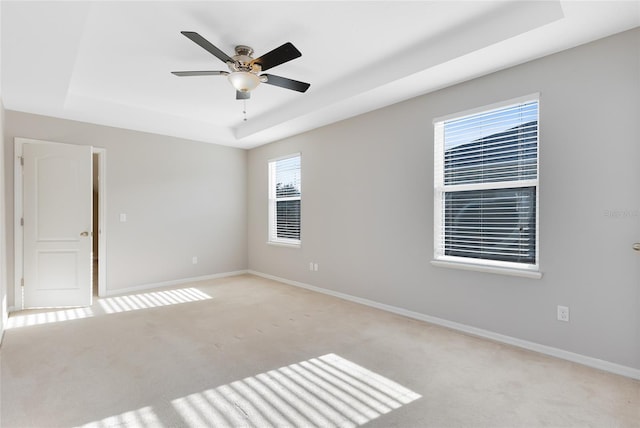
(245, 351)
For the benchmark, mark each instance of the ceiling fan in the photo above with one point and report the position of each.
(244, 70)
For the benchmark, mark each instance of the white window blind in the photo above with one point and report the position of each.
(284, 200)
(486, 181)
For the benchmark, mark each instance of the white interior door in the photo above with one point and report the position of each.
(57, 192)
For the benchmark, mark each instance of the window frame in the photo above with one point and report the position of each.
(272, 234)
(478, 264)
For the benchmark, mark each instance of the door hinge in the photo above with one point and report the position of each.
(21, 160)
(22, 282)
(22, 221)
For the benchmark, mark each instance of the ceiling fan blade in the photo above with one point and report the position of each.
(243, 95)
(283, 82)
(278, 56)
(199, 73)
(205, 44)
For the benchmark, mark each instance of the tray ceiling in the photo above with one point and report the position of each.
(109, 63)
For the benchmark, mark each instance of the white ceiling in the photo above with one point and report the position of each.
(109, 63)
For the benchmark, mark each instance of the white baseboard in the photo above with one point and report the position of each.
(144, 287)
(532, 346)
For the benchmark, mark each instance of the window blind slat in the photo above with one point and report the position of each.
(490, 131)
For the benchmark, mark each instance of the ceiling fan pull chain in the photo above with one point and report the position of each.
(244, 110)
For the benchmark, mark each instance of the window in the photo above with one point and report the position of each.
(284, 200)
(486, 186)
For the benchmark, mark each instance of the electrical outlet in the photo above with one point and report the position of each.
(563, 313)
(315, 267)
(194, 260)
(311, 266)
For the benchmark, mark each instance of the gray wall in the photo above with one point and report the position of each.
(3, 258)
(367, 206)
(3, 235)
(182, 199)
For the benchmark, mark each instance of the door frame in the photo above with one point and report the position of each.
(18, 238)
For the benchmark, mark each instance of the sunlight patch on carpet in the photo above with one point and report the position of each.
(328, 391)
(156, 299)
(144, 417)
(110, 305)
(27, 320)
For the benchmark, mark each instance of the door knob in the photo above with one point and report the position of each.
(84, 234)
(636, 246)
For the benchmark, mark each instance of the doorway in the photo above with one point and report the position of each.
(50, 254)
(95, 233)
(99, 222)
(98, 250)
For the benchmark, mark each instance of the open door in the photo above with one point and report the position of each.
(57, 201)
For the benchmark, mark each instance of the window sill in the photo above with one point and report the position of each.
(284, 244)
(523, 273)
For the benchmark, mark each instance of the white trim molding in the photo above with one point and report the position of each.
(524, 273)
(474, 331)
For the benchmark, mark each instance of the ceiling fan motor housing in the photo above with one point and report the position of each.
(242, 60)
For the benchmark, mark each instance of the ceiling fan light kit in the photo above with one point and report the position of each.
(244, 69)
(244, 81)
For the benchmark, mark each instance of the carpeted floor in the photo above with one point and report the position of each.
(245, 351)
